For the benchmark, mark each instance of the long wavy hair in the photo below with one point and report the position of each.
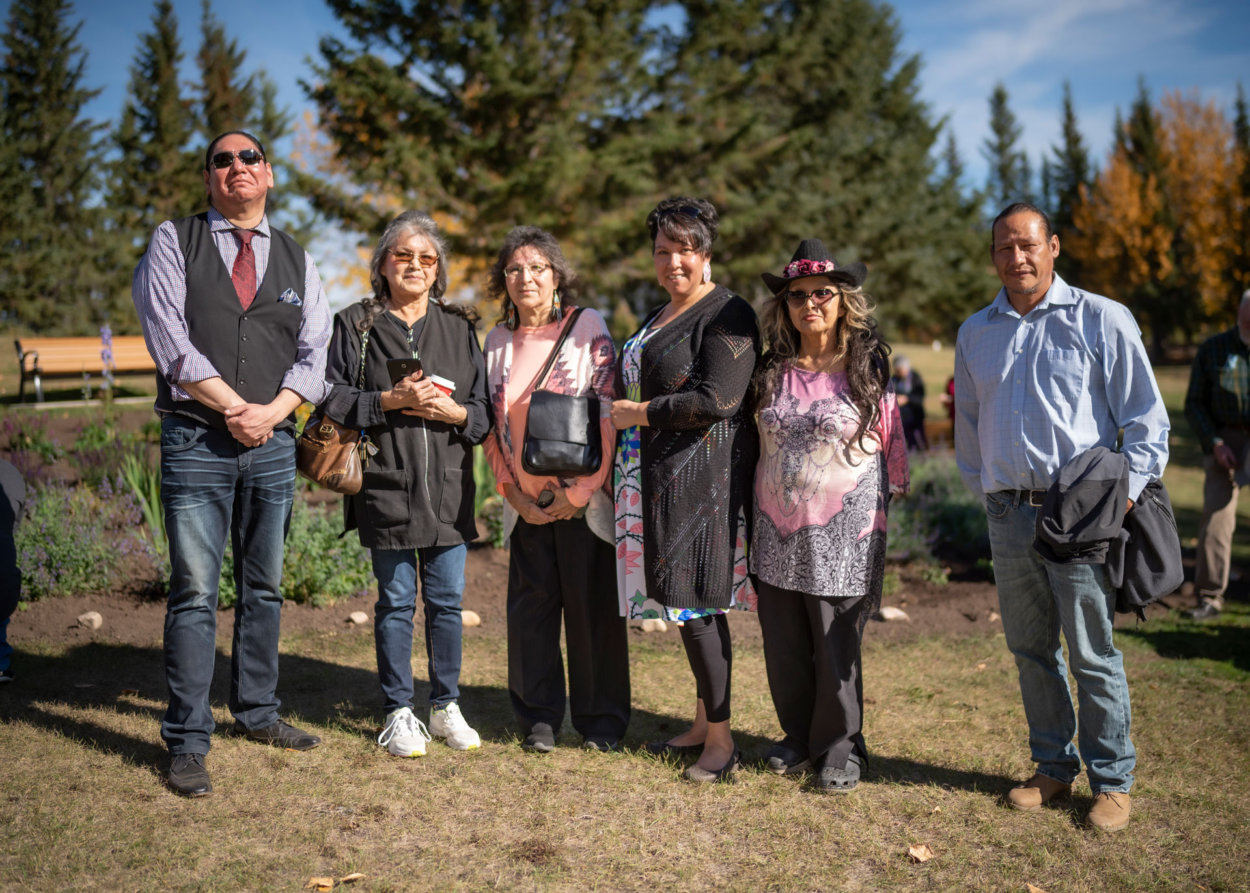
(567, 285)
(406, 224)
(865, 352)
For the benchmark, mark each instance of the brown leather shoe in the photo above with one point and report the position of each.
(1036, 792)
(1110, 811)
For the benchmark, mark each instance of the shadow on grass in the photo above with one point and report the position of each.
(909, 772)
(1219, 640)
(55, 692)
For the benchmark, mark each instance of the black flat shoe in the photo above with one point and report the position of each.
(664, 749)
(724, 774)
(188, 776)
(280, 734)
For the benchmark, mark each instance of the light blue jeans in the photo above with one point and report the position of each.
(1039, 599)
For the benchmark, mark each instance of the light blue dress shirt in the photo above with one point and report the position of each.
(1033, 391)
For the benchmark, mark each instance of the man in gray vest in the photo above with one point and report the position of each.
(235, 317)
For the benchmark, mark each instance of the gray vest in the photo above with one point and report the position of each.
(252, 349)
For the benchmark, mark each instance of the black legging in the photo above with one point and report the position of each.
(711, 658)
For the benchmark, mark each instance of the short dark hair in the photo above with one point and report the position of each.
(549, 247)
(208, 153)
(1022, 208)
(690, 221)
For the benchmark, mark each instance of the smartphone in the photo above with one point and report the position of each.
(402, 367)
(545, 498)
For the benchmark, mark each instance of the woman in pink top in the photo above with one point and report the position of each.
(832, 453)
(563, 558)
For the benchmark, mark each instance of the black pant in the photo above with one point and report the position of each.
(812, 654)
(564, 567)
(711, 659)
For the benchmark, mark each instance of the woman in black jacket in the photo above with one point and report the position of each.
(415, 511)
(684, 468)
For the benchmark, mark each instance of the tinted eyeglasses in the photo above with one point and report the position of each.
(223, 160)
(818, 296)
(535, 270)
(683, 210)
(404, 256)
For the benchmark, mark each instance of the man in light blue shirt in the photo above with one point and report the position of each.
(1043, 374)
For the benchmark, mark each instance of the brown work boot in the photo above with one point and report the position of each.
(1109, 812)
(1036, 792)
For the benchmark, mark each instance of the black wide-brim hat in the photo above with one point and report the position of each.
(813, 259)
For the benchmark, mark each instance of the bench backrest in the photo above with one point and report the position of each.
(82, 354)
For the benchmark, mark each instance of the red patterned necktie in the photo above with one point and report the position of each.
(243, 274)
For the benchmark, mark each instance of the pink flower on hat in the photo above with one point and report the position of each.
(808, 268)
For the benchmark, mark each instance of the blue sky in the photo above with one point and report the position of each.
(1101, 46)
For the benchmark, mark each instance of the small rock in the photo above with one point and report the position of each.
(91, 620)
(889, 613)
(654, 625)
(470, 618)
(358, 617)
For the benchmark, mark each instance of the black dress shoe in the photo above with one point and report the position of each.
(664, 749)
(724, 774)
(1205, 611)
(541, 739)
(281, 735)
(187, 775)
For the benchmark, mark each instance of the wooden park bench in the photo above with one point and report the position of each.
(39, 358)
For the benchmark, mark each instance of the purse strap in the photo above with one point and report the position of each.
(364, 344)
(546, 370)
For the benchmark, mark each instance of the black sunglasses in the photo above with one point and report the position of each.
(250, 157)
(819, 297)
(684, 210)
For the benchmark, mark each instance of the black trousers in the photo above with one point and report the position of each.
(710, 653)
(559, 569)
(812, 655)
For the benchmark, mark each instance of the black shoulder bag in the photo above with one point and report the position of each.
(562, 437)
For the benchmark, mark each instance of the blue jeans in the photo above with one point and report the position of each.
(211, 486)
(442, 584)
(1038, 599)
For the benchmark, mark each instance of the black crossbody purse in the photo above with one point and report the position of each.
(562, 437)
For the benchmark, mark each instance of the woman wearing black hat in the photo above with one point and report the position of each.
(832, 454)
(683, 469)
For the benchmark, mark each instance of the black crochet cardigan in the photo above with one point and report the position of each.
(699, 449)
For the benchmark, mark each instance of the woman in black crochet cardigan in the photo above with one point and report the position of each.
(684, 467)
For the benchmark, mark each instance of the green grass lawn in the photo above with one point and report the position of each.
(85, 807)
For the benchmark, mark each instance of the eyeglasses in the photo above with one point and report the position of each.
(819, 297)
(535, 270)
(404, 256)
(250, 157)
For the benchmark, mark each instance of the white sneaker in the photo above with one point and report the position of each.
(404, 734)
(450, 723)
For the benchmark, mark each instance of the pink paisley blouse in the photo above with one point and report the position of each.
(821, 501)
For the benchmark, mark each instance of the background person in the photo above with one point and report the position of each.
(562, 559)
(236, 320)
(683, 469)
(909, 394)
(1217, 405)
(832, 454)
(1043, 374)
(415, 510)
(12, 505)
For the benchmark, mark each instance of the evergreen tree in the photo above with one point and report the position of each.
(1240, 267)
(1069, 173)
(1008, 179)
(155, 175)
(580, 117)
(225, 95)
(51, 234)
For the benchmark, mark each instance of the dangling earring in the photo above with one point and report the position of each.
(510, 317)
(556, 312)
(707, 271)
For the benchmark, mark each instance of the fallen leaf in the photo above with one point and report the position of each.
(470, 618)
(320, 883)
(937, 809)
(992, 616)
(889, 613)
(130, 691)
(351, 878)
(358, 617)
(981, 666)
(1033, 889)
(922, 853)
